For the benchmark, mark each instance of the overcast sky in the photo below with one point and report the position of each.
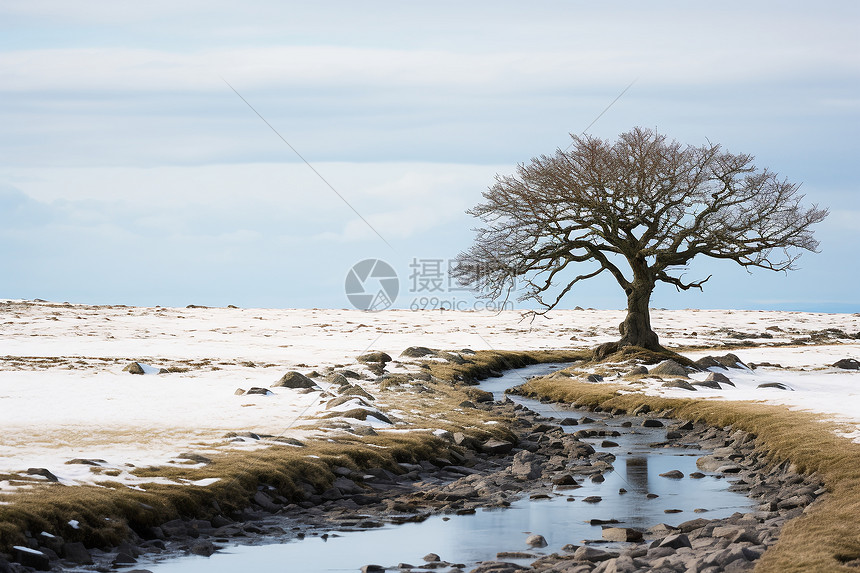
(131, 173)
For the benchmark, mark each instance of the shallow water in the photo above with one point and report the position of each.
(470, 538)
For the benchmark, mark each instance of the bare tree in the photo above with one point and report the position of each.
(639, 208)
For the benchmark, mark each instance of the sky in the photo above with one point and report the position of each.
(131, 172)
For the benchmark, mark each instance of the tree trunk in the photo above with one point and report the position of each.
(636, 328)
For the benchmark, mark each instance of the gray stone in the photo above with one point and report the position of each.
(621, 534)
(536, 541)
(652, 423)
(293, 379)
(494, 446)
(76, 552)
(847, 364)
(31, 558)
(259, 391)
(588, 553)
(679, 384)
(45, 473)
(669, 368)
(777, 385)
(720, 378)
(673, 474)
(417, 352)
(374, 358)
(202, 547)
(675, 541)
(134, 368)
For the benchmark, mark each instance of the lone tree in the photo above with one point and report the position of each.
(639, 208)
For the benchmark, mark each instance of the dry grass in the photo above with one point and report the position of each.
(484, 363)
(104, 512)
(822, 539)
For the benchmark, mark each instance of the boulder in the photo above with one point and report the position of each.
(525, 466)
(777, 385)
(621, 534)
(134, 368)
(259, 391)
(294, 379)
(76, 552)
(494, 446)
(708, 384)
(652, 423)
(536, 541)
(45, 473)
(417, 352)
(338, 379)
(847, 364)
(675, 541)
(202, 547)
(674, 474)
(719, 378)
(594, 378)
(669, 368)
(374, 358)
(588, 553)
(637, 371)
(31, 558)
(679, 384)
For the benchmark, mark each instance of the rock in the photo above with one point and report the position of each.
(847, 364)
(432, 558)
(76, 552)
(678, 384)
(564, 480)
(134, 368)
(336, 378)
(355, 390)
(238, 392)
(675, 541)
(202, 547)
(374, 358)
(417, 352)
(373, 569)
(777, 385)
(294, 379)
(31, 558)
(334, 402)
(123, 559)
(44, 473)
(197, 458)
(260, 391)
(467, 404)
(727, 361)
(669, 368)
(697, 475)
(652, 423)
(588, 553)
(674, 435)
(593, 499)
(608, 444)
(525, 466)
(622, 534)
(674, 474)
(494, 446)
(568, 422)
(693, 524)
(499, 567)
(594, 378)
(707, 384)
(637, 371)
(536, 541)
(719, 378)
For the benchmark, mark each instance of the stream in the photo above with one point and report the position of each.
(467, 539)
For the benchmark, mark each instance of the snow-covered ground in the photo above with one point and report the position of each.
(64, 394)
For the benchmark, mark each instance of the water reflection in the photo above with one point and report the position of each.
(637, 474)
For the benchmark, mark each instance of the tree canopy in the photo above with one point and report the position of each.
(639, 208)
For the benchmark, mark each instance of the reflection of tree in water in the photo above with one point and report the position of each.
(637, 474)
